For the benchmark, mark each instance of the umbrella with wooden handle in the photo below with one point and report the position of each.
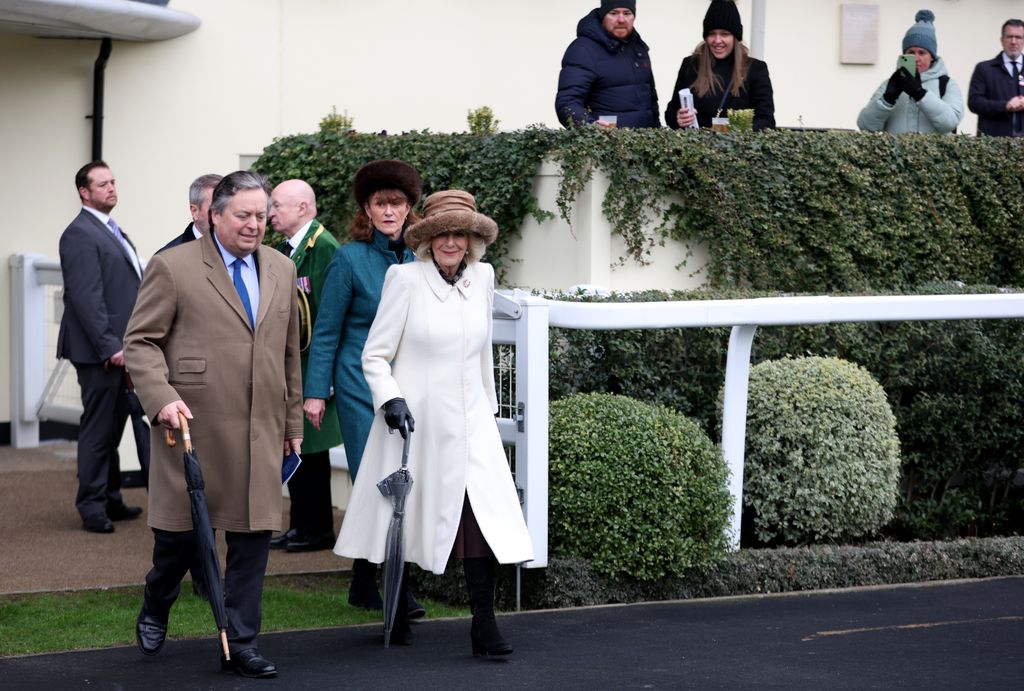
(206, 544)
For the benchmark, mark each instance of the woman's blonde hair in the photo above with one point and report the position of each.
(709, 82)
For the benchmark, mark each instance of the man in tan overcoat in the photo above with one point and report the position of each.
(214, 336)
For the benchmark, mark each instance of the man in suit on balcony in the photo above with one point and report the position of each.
(996, 93)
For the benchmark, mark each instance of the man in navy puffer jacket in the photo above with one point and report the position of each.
(607, 71)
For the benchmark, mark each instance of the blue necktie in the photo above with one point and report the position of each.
(243, 292)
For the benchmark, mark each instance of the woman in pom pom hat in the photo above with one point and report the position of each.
(926, 101)
(385, 192)
(429, 365)
(722, 76)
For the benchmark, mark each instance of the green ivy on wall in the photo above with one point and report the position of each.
(778, 210)
(497, 169)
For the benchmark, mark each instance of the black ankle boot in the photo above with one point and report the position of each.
(483, 633)
(362, 591)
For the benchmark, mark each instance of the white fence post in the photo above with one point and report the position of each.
(532, 421)
(734, 419)
(28, 349)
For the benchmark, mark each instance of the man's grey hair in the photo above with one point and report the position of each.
(200, 185)
(236, 182)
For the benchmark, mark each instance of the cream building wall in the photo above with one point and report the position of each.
(260, 69)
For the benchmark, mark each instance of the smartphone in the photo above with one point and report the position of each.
(909, 62)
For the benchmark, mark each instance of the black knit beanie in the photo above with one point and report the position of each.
(722, 15)
(609, 5)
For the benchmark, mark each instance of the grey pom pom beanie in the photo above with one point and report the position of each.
(922, 34)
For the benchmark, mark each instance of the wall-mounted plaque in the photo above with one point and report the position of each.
(858, 34)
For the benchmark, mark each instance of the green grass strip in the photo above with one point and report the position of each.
(74, 620)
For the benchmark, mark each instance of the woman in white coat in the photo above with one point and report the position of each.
(429, 354)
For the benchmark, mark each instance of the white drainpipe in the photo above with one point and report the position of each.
(757, 29)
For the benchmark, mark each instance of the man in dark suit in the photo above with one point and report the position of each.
(101, 279)
(996, 93)
(199, 194)
(214, 337)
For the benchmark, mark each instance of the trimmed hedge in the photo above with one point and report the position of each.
(573, 582)
(823, 459)
(636, 488)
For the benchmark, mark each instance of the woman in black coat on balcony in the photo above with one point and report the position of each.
(722, 76)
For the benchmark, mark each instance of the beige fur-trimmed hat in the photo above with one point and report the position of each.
(449, 211)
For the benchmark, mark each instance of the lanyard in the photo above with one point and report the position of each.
(725, 95)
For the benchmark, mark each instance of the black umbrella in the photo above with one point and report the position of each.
(139, 427)
(206, 544)
(397, 486)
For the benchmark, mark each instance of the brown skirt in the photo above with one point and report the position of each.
(469, 541)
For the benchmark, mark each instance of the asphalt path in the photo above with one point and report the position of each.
(951, 635)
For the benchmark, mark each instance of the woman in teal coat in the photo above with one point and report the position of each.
(385, 192)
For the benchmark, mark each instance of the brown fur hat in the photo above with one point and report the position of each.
(448, 211)
(387, 174)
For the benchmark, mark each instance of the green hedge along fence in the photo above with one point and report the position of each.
(956, 388)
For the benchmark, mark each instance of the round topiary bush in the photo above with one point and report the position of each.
(822, 455)
(637, 489)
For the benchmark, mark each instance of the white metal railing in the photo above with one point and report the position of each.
(521, 320)
(36, 374)
(744, 316)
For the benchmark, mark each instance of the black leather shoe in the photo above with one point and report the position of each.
(150, 631)
(283, 539)
(123, 512)
(97, 523)
(311, 543)
(249, 663)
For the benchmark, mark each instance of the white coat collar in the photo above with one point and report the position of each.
(442, 289)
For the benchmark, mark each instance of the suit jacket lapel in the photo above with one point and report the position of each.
(300, 251)
(269, 280)
(107, 233)
(217, 274)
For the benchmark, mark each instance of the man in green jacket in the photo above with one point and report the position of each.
(311, 247)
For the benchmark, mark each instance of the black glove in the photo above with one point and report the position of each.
(397, 415)
(893, 89)
(910, 84)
